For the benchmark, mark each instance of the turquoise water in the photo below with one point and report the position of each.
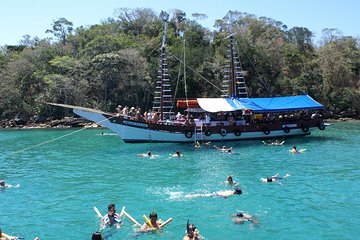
(62, 180)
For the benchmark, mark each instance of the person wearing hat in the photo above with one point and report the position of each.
(118, 109)
(192, 233)
(132, 112)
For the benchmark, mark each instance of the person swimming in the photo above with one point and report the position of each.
(240, 218)
(230, 181)
(224, 194)
(147, 154)
(177, 154)
(294, 150)
(274, 178)
(192, 233)
(153, 223)
(96, 236)
(224, 149)
(112, 218)
(3, 185)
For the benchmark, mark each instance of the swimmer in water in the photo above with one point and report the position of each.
(192, 233)
(177, 154)
(112, 218)
(274, 178)
(3, 185)
(224, 149)
(230, 181)
(224, 194)
(241, 218)
(154, 222)
(148, 154)
(294, 150)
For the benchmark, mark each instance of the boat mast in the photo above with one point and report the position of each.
(234, 82)
(163, 97)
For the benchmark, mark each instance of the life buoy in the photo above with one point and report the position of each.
(237, 133)
(188, 133)
(223, 132)
(322, 126)
(208, 132)
(266, 131)
(305, 128)
(286, 129)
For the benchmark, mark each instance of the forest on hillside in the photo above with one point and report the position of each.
(116, 62)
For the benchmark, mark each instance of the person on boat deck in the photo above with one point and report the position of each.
(118, 109)
(192, 233)
(231, 119)
(154, 222)
(178, 116)
(156, 117)
(112, 217)
(241, 218)
(125, 110)
(177, 154)
(294, 150)
(138, 116)
(230, 181)
(132, 112)
(274, 178)
(224, 194)
(207, 120)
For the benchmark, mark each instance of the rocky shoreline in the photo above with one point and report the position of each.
(67, 122)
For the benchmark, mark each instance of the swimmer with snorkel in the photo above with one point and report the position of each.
(192, 233)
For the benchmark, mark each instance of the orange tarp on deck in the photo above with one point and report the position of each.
(187, 103)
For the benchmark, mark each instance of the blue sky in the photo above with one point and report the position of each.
(34, 17)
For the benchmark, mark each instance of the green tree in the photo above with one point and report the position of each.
(61, 28)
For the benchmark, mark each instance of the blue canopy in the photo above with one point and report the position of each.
(273, 104)
(281, 104)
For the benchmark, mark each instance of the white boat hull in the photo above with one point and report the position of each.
(140, 132)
